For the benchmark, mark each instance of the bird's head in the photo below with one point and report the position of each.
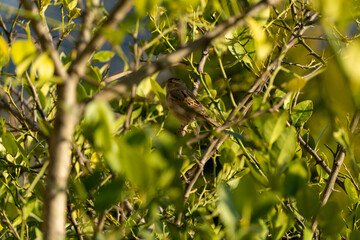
(174, 83)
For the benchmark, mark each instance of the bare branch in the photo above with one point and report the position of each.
(338, 161)
(149, 69)
(118, 14)
(200, 69)
(244, 104)
(66, 117)
(318, 159)
(45, 38)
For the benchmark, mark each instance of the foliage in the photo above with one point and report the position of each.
(284, 81)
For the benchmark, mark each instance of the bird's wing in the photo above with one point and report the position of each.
(187, 101)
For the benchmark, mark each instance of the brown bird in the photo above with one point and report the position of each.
(183, 104)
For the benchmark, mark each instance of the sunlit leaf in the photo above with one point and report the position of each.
(4, 52)
(301, 113)
(227, 210)
(44, 67)
(159, 92)
(143, 6)
(22, 49)
(351, 65)
(342, 137)
(9, 142)
(237, 50)
(263, 48)
(103, 56)
(74, 13)
(274, 126)
(294, 84)
(22, 54)
(351, 191)
(70, 4)
(285, 147)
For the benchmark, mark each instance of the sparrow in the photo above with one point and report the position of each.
(183, 104)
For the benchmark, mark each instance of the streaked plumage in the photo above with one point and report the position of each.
(183, 104)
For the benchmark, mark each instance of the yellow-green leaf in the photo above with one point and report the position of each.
(159, 92)
(21, 50)
(44, 68)
(103, 56)
(70, 4)
(301, 113)
(294, 84)
(274, 126)
(351, 191)
(4, 52)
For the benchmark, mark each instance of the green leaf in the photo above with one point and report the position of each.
(70, 4)
(296, 178)
(280, 224)
(341, 136)
(142, 6)
(228, 213)
(134, 155)
(98, 128)
(351, 65)
(21, 50)
(4, 52)
(285, 147)
(227, 155)
(44, 4)
(103, 56)
(75, 12)
(144, 88)
(274, 126)
(307, 201)
(294, 84)
(159, 91)
(9, 142)
(331, 222)
(236, 135)
(208, 82)
(108, 195)
(44, 68)
(301, 113)
(237, 51)
(351, 191)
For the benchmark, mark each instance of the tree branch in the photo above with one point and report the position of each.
(335, 171)
(244, 104)
(118, 14)
(66, 117)
(42, 31)
(318, 159)
(121, 88)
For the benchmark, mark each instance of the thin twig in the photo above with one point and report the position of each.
(11, 227)
(338, 161)
(36, 97)
(200, 70)
(318, 159)
(150, 68)
(244, 104)
(74, 223)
